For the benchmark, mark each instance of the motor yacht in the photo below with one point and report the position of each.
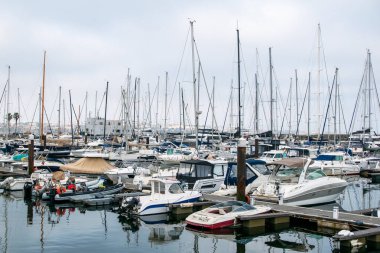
(294, 182)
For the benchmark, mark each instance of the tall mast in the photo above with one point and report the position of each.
(85, 115)
(166, 102)
(18, 104)
(96, 105)
(43, 98)
(64, 117)
(180, 109)
(239, 88)
(296, 79)
(8, 102)
(308, 109)
(150, 107)
(138, 104)
(194, 84)
(157, 101)
(134, 108)
(369, 90)
(271, 90)
(59, 112)
(213, 106)
(290, 106)
(336, 104)
(71, 121)
(105, 115)
(319, 82)
(256, 105)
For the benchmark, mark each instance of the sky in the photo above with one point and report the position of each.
(90, 43)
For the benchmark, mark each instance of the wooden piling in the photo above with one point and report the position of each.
(241, 170)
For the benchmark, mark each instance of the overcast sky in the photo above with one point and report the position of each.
(91, 42)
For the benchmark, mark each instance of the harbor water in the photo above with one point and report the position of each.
(39, 227)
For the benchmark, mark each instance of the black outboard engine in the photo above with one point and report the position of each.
(28, 188)
(128, 204)
(52, 193)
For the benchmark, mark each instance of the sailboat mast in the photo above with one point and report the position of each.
(369, 90)
(43, 98)
(296, 81)
(239, 88)
(290, 106)
(105, 115)
(256, 105)
(59, 112)
(308, 109)
(319, 115)
(271, 90)
(157, 101)
(336, 104)
(8, 102)
(71, 121)
(166, 102)
(194, 84)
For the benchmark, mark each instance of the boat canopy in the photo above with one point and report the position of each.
(291, 162)
(88, 165)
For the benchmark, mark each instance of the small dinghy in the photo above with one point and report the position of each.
(223, 215)
(70, 195)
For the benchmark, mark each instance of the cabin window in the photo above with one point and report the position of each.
(250, 173)
(162, 188)
(278, 156)
(175, 188)
(218, 170)
(156, 187)
(203, 171)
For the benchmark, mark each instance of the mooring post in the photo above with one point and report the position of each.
(31, 154)
(241, 169)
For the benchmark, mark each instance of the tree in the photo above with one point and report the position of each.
(16, 116)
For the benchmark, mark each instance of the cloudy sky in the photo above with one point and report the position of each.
(90, 42)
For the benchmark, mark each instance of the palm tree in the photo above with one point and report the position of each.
(9, 118)
(16, 116)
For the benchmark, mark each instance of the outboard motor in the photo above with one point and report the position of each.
(129, 204)
(28, 189)
(52, 193)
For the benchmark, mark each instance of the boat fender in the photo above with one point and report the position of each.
(247, 199)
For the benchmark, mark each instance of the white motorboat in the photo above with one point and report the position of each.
(163, 193)
(14, 184)
(125, 173)
(336, 164)
(256, 174)
(294, 182)
(224, 214)
(205, 176)
(273, 155)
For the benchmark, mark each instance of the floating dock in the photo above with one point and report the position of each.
(365, 229)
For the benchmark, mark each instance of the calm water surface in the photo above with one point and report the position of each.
(36, 227)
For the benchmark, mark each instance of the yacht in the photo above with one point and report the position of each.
(294, 182)
(336, 164)
(163, 193)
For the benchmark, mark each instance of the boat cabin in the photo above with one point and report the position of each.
(273, 155)
(294, 170)
(202, 175)
(302, 152)
(165, 186)
(253, 167)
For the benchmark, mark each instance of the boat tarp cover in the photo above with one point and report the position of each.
(88, 165)
(291, 162)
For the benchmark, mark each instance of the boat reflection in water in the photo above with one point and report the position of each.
(162, 228)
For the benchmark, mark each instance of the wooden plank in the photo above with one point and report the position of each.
(262, 216)
(358, 234)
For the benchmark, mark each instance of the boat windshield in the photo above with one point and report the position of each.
(234, 206)
(314, 173)
(329, 158)
(288, 174)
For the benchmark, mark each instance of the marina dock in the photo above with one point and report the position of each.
(366, 229)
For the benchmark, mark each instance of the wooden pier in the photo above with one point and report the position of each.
(366, 229)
